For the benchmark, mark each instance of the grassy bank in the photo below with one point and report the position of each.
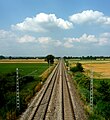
(101, 92)
(101, 88)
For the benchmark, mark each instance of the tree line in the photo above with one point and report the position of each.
(65, 57)
(88, 57)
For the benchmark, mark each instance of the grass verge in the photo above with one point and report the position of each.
(101, 96)
(29, 85)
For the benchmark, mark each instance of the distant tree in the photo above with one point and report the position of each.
(10, 57)
(2, 57)
(77, 68)
(50, 59)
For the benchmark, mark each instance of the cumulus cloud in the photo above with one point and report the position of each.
(104, 39)
(32, 39)
(44, 40)
(86, 39)
(6, 34)
(42, 22)
(106, 34)
(90, 16)
(7, 42)
(57, 43)
(26, 39)
(68, 44)
(40, 40)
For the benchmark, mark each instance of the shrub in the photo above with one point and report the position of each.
(77, 68)
(104, 91)
(103, 109)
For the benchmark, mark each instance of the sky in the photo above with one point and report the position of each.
(57, 27)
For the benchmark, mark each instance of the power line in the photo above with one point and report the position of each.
(17, 87)
(27, 74)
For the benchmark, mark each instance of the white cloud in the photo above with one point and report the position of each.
(41, 40)
(57, 43)
(84, 38)
(106, 34)
(32, 39)
(87, 38)
(42, 22)
(67, 44)
(103, 41)
(44, 40)
(6, 34)
(90, 40)
(90, 16)
(26, 39)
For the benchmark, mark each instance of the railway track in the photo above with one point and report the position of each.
(54, 102)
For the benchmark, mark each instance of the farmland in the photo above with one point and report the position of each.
(24, 68)
(29, 85)
(101, 86)
(22, 61)
(101, 69)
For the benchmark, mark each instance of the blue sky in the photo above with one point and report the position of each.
(59, 27)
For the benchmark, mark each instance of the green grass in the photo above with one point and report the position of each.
(101, 98)
(24, 68)
(27, 88)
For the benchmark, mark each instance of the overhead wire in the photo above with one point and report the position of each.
(27, 74)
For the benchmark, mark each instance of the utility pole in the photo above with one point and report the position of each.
(91, 91)
(17, 91)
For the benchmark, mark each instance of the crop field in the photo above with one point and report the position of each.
(25, 61)
(22, 61)
(101, 69)
(24, 68)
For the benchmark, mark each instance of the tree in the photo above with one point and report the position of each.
(77, 68)
(2, 57)
(50, 59)
(10, 57)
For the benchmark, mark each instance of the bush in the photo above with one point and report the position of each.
(77, 68)
(103, 108)
(82, 80)
(83, 85)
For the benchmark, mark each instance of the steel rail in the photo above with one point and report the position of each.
(52, 81)
(68, 89)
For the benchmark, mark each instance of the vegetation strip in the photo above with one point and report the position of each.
(27, 86)
(101, 91)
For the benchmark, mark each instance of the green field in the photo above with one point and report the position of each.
(29, 74)
(24, 68)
